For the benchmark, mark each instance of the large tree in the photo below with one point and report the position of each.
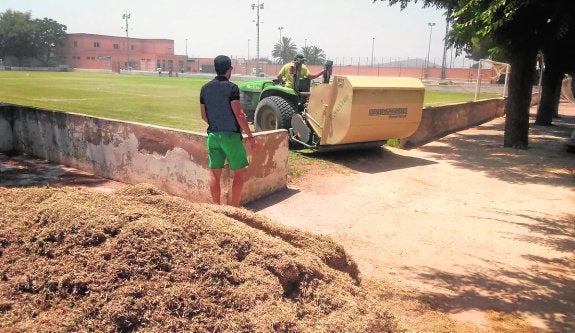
(49, 38)
(519, 28)
(284, 51)
(16, 35)
(23, 38)
(559, 58)
(313, 55)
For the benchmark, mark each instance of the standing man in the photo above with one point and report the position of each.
(221, 109)
(287, 72)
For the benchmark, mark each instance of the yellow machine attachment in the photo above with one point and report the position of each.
(359, 109)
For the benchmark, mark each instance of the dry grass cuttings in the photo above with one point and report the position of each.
(139, 260)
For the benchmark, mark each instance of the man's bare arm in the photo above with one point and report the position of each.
(204, 114)
(242, 120)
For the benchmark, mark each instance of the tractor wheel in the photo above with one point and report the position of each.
(273, 113)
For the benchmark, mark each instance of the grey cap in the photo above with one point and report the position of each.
(299, 56)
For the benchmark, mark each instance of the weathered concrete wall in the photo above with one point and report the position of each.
(440, 121)
(174, 161)
(6, 135)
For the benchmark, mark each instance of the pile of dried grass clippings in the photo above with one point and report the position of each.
(139, 260)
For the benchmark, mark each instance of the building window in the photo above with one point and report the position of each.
(96, 44)
(75, 43)
(116, 46)
(132, 47)
(87, 58)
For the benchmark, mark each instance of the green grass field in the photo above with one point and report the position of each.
(164, 101)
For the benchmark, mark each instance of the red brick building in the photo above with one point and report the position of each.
(89, 51)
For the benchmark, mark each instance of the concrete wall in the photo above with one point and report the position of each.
(6, 141)
(173, 160)
(272, 70)
(437, 122)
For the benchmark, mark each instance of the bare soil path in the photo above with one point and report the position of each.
(459, 226)
(478, 231)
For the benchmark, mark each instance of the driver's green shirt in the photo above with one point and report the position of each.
(288, 71)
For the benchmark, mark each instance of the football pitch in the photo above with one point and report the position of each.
(163, 101)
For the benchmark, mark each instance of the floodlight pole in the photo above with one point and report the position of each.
(126, 17)
(257, 7)
(430, 24)
(248, 62)
(444, 62)
(372, 48)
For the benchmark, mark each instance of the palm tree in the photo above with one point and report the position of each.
(314, 55)
(284, 51)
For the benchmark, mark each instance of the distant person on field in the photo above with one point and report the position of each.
(287, 72)
(221, 109)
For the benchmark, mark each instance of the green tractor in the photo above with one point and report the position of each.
(271, 105)
(348, 112)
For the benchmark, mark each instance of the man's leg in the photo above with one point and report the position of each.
(215, 175)
(237, 185)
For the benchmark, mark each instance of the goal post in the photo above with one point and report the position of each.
(499, 68)
(566, 90)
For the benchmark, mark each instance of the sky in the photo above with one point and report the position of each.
(344, 29)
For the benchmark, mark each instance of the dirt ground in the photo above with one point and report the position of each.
(477, 230)
(483, 234)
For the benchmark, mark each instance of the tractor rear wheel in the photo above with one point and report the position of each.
(273, 113)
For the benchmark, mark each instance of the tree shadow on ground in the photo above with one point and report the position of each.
(546, 161)
(552, 232)
(272, 199)
(24, 171)
(546, 290)
(372, 160)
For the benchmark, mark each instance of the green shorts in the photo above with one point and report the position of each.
(226, 145)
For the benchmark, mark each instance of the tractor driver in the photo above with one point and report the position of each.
(287, 71)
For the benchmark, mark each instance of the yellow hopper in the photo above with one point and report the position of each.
(360, 109)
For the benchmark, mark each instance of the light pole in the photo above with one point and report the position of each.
(305, 42)
(126, 17)
(444, 62)
(372, 48)
(186, 49)
(430, 24)
(248, 62)
(280, 29)
(257, 7)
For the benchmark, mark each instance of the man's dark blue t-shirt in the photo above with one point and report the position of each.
(217, 95)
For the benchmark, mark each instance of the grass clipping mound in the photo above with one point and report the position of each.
(141, 260)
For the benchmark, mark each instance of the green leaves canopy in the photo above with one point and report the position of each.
(519, 28)
(313, 55)
(23, 38)
(284, 51)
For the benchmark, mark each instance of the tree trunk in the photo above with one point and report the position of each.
(550, 95)
(519, 100)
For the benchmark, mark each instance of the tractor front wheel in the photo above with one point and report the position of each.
(273, 113)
